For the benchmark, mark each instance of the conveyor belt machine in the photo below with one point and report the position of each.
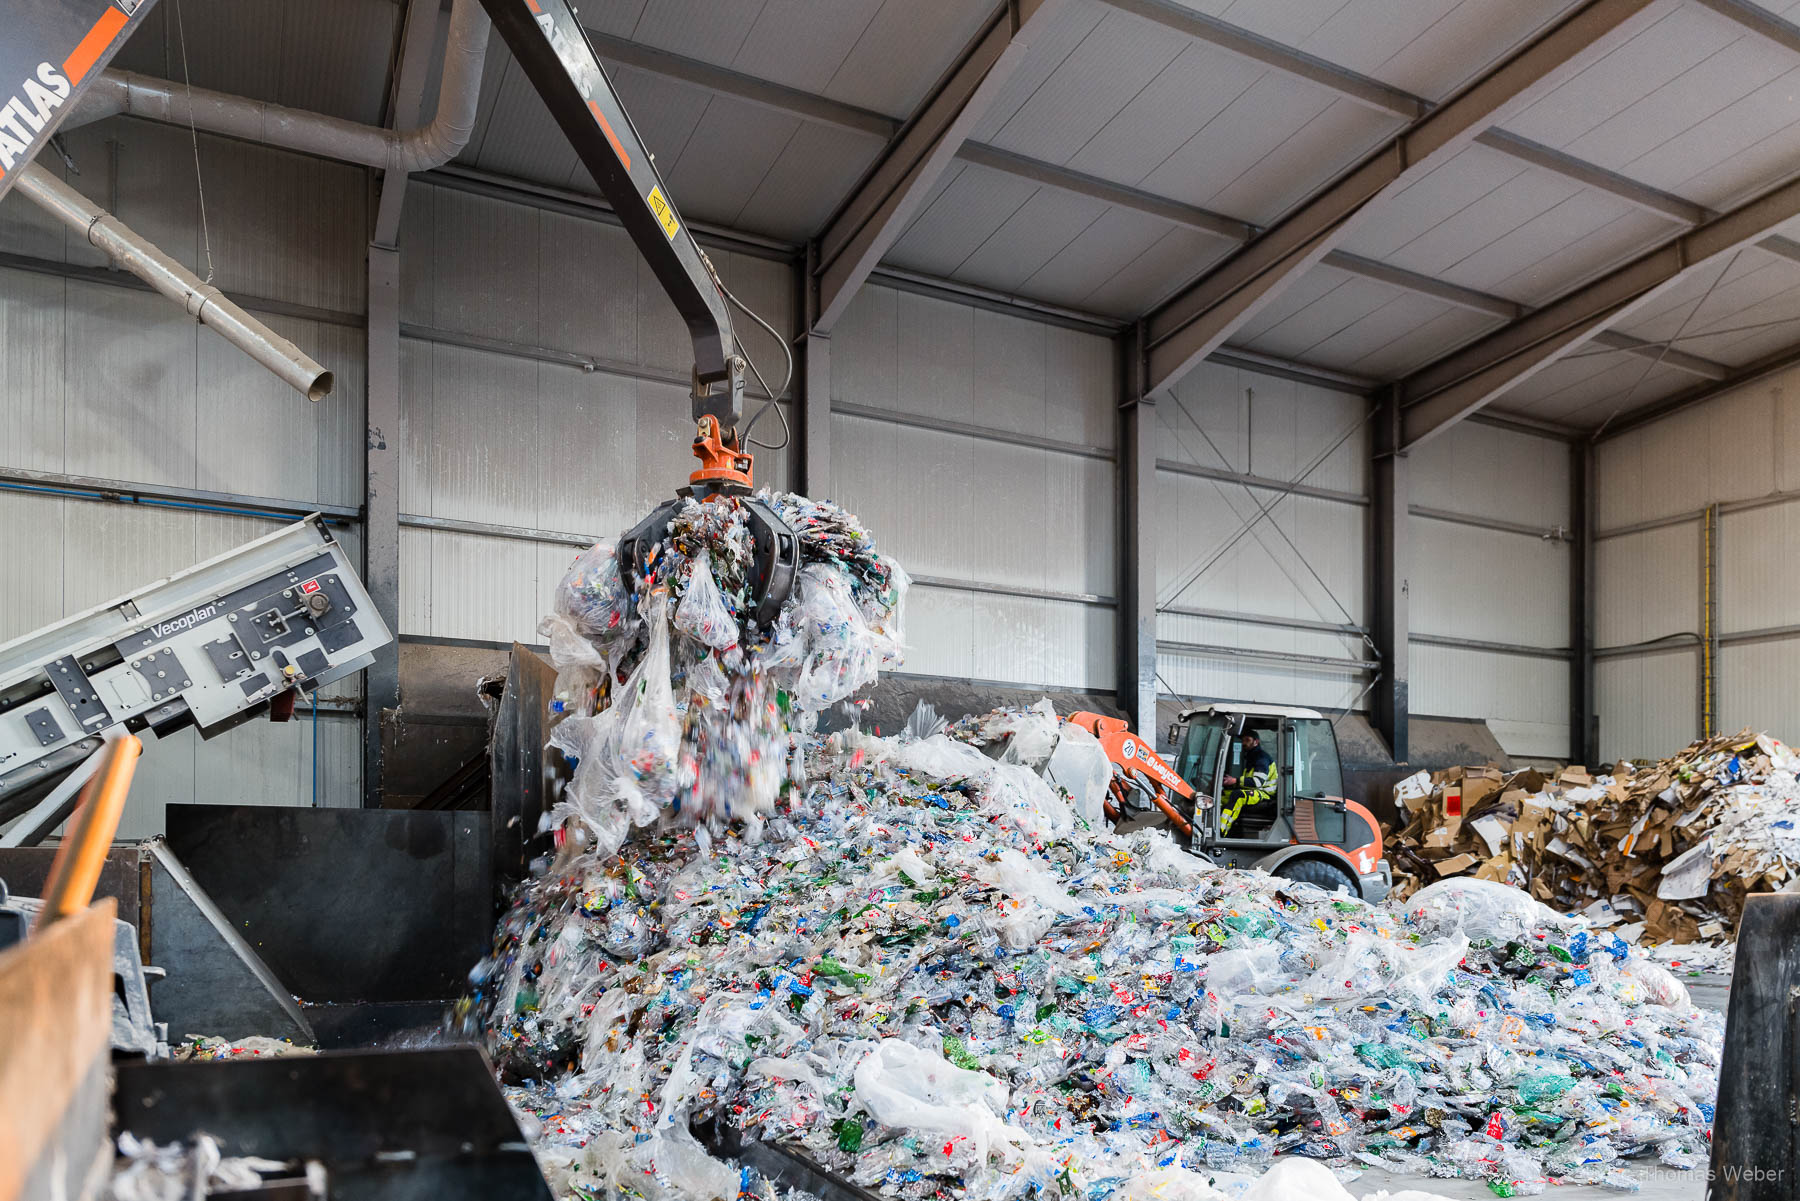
(211, 646)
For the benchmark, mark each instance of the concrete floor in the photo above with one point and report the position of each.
(1659, 1183)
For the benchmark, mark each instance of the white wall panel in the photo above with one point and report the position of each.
(1523, 699)
(1243, 421)
(1493, 585)
(1010, 639)
(1203, 678)
(1649, 705)
(1759, 585)
(1648, 585)
(1213, 552)
(33, 384)
(1201, 524)
(1741, 446)
(1491, 472)
(130, 409)
(34, 548)
(1759, 687)
(1738, 446)
(964, 508)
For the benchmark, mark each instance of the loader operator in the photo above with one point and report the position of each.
(1253, 787)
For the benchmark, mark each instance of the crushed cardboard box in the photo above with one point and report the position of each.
(1723, 814)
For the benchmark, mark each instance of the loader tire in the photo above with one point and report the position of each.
(1328, 876)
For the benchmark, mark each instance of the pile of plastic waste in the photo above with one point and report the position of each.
(1667, 851)
(930, 974)
(926, 964)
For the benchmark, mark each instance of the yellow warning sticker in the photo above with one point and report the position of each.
(664, 213)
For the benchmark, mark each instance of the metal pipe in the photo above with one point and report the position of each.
(421, 149)
(202, 301)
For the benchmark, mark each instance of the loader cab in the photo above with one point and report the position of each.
(1216, 748)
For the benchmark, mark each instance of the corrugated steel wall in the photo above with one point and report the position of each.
(1491, 562)
(1004, 538)
(117, 383)
(1215, 554)
(1740, 452)
(502, 428)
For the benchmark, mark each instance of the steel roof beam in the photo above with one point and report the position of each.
(1498, 306)
(726, 82)
(869, 221)
(1199, 319)
(1289, 61)
(1782, 32)
(1063, 179)
(1654, 200)
(811, 107)
(1771, 364)
(1442, 393)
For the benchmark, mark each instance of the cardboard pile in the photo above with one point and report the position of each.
(1673, 845)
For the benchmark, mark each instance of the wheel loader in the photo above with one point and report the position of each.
(1221, 800)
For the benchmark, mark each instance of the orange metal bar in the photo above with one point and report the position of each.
(1175, 818)
(75, 871)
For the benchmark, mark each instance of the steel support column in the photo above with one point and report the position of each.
(1136, 630)
(1584, 724)
(381, 505)
(871, 218)
(1391, 543)
(812, 475)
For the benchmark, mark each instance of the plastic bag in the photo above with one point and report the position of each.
(1479, 908)
(841, 654)
(703, 613)
(592, 595)
(649, 729)
(1079, 767)
(889, 625)
(1034, 734)
(1660, 987)
(1031, 898)
(902, 1086)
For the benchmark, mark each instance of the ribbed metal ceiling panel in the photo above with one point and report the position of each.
(1588, 387)
(1750, 309)
(328, 56)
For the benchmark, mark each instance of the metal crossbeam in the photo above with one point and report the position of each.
(1458, 384)
(871, 218)
(1198, 319)
(836, 114)
(1771, 364)
(1345, 82)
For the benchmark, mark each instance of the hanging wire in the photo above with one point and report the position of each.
(1206, 561)
(787, 433)
(1657, 362)
(194, 137)
(1229, 504)
(1298, 554)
